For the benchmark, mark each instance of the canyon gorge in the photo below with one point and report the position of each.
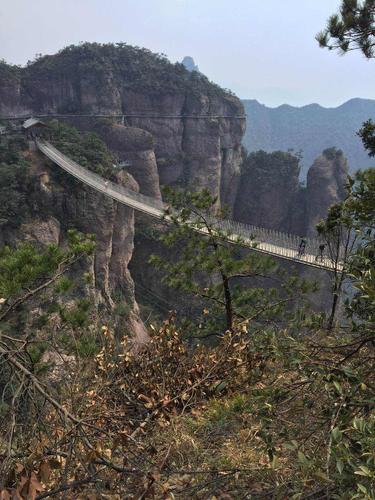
(170, 127)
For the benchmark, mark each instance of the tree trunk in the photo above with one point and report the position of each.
(228, 303)
(337, 287)
(225, 281)
(332, 316)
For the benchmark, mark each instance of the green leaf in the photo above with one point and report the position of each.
(363, 471)
(220, 386)
(337, 386)
(340, 466)
(366, 470)
(336, 434)
(362, 488)
(359, 424)
(302, 458)
(321, 475)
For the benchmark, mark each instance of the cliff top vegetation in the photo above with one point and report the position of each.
(87, 149)
(8, 70)
(134, 67)
(266, 165)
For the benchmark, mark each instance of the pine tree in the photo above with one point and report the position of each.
(353, 28)
(367, 134)
(230, 286)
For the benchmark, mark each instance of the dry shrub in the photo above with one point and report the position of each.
(269, 414)
(165, 378)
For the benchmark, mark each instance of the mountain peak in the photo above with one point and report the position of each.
(189, 63)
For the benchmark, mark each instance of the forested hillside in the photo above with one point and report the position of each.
(310, 129)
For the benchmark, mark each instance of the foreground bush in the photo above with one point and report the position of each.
(272, 415)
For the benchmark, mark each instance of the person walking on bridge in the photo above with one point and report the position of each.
(302, 246)
(321, 252)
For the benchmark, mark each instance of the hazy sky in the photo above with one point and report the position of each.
(261, 49)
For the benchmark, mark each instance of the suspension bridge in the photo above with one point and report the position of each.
(267, 241)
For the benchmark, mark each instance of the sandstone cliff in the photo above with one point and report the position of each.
(268, 192)
(164, 137)
(134, 149)
(326, 180)
(271, 196)
(165, 100)
(53, 203)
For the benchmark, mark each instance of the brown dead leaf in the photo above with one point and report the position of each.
(21, 491)
(4, 495)
(16, 495)
(45, 471)
(34, 487)
(142, 397)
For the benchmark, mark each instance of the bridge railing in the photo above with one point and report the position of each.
(286, 243)
(95, 179)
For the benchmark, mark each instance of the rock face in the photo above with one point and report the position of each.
(10, 90)
(326, 180)
(268, 192)
(57, 203)
(270, 195)
(134, 149)
(45, 232)
(197, 127)
(190, 149)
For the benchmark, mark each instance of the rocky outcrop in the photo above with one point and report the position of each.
(134, 149)
(10, 90)
(44, 232)
(268, 192)
(57, 203)
(271, 196)
(326, 180)
(113, 225)
(197, 127)
(189, 63)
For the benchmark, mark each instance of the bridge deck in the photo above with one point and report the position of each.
(262, 240)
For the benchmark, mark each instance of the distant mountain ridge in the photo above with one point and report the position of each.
(311, 129)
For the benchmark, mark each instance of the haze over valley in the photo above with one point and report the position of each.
(310, 129)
